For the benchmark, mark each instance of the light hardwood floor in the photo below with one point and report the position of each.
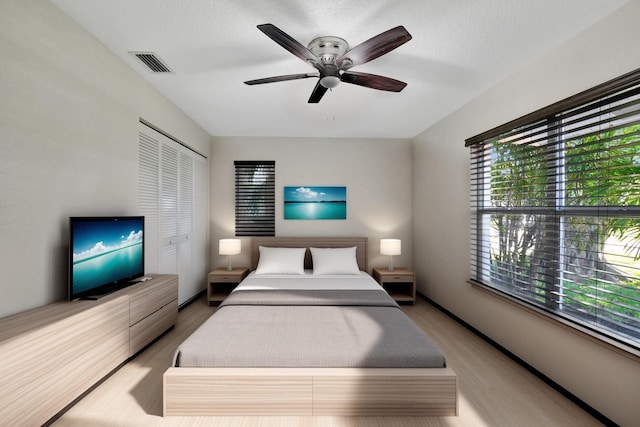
(493, 390)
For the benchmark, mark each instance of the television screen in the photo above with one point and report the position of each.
(105, 254)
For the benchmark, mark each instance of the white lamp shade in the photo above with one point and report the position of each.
(229, 246)
(390, 246)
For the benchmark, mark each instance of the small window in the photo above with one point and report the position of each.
(255, 197)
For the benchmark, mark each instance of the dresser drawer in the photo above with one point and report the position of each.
(224, 278)
(149, 328)
(151, 296)
(398, 278)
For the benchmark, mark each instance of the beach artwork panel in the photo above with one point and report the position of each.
(307, 202)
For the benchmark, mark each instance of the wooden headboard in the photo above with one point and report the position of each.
(306, 242)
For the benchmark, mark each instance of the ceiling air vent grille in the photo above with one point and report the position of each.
(152, 61)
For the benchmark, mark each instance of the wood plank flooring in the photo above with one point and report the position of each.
(493, 390)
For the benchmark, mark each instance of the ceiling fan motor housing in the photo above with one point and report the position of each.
(328, 49)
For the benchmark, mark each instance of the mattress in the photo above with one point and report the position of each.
(309, 321)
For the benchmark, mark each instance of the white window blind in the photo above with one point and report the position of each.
(555, 200)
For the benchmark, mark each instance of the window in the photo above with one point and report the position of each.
(555, 200)
(255, 198)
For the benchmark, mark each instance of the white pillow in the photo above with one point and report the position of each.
(334, 261)
(280, 260)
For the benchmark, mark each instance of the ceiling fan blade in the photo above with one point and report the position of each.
(317, 94)
(290, 44)
(373, 81)
(280, 78)
(374, 47)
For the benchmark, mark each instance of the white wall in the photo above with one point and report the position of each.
(604, 379)
(69, 112)
(376, 172)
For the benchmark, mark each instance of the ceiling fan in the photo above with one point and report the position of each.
(332, 58)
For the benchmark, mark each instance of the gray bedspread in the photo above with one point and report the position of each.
(295, 329)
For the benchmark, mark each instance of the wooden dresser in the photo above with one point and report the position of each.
(52, 354)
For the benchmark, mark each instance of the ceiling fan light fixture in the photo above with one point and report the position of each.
(330, 81)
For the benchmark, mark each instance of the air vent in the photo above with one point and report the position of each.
(152, 61)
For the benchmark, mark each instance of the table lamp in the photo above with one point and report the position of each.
(229, 247)
(390, 247)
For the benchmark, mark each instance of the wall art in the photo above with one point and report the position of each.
(313, 202)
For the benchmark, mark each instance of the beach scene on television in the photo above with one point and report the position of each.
(106, 251)
(307, 202)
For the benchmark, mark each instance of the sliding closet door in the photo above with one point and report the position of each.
(185, 217)
(148, 193)
(172, 198)
(168, 208)
(198, 238)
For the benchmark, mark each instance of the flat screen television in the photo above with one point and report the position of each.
(105, 254)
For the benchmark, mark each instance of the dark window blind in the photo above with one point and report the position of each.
(555, 206)
(255, 198)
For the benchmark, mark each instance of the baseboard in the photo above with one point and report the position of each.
(191, 300)
(57, 416)
(566, 393)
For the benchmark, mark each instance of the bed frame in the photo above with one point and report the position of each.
(310, 391)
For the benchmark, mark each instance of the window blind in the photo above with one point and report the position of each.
(555, 206)
(255, 197)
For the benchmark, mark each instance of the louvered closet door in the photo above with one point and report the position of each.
(168, 249)
(148, 188)
(185, 218)
(199, 242)
(172, 197)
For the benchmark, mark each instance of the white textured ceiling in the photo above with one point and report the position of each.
(459, 49)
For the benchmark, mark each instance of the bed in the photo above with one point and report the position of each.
(309, 344)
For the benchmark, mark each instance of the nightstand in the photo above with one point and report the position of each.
(399, 283)
(222, 282)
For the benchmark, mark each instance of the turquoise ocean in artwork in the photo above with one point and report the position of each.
(315, 210)
(315, 202)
